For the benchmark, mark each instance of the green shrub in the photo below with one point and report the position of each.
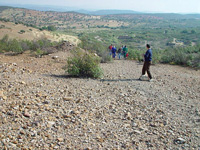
(4, 43)
(39, 52)
(51, 28)
(26, 45)
(22, 31)
(135, 54)
(84, 65)
(14, 46)
(41, 43)
(105, 56)
(157, 56)
(188, 56)
(19, 46)
(196, 61)
(138, 55)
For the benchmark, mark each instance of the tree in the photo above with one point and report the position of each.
(184, 31)
(51, 28)
(193, 31)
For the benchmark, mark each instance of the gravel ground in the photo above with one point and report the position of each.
(42, 108)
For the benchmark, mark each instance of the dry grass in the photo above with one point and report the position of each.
(13, 31)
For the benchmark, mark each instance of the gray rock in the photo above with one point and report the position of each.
(55, 57)
(136, 132)
(180, 140)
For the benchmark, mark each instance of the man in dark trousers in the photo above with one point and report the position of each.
(147, 63)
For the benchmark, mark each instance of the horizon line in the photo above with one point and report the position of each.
(91, 10)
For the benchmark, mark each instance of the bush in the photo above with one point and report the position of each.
(40, 44)
(51, 28)
(4, 43)
(174, 56)
(196, 62)
(138, 55)
(105, 56)
(22, 31)
(135, 55)
(188, 56)
(84, 65)
(25, 44)
(14, 46)
(157, 56)
(39, 52)
(19, 46)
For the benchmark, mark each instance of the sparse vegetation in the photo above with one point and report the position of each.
(49, 28)
(168, 34)
(188, 56)
(84, 64)
(22, 31)
(135, 54)
(95, 46)
(19, 46)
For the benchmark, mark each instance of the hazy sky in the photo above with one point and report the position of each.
(178, 6)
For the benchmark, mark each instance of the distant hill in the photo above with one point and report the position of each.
(39, 7)
(2, 8)
(67, 9)
(194, 15)
(61, 20)
(177, 16)
(42, 18)
(108, 12)
(84, 19)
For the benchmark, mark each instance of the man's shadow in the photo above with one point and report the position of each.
(115, 80)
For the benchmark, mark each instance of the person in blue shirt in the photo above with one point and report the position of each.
(147, 62)
(114, 49)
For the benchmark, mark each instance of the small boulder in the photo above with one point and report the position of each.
(67, 98)
(27, 114)
(55, 57)
(180, 140)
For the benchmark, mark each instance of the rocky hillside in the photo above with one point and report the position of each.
(61, 20)
(42, 108)
(19, 31)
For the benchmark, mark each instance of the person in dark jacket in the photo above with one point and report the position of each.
(119, 52)
(147, 63)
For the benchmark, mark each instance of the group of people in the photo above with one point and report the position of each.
(122, 51)
(147, 58)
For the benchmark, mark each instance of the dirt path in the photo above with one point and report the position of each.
(41, 108)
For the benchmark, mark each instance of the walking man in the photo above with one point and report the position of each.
(147, 63)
